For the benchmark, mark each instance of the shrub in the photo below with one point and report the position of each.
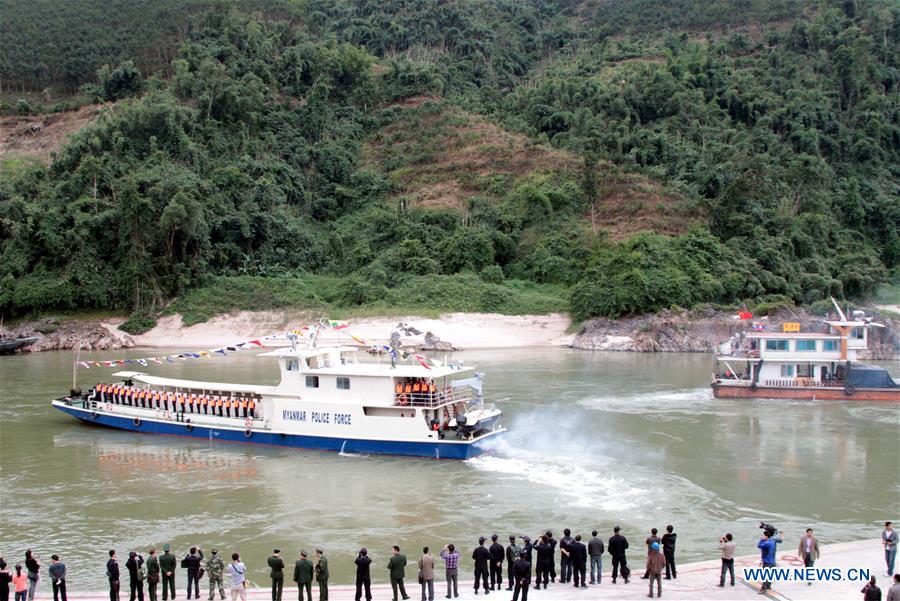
(492, 274)
(138, 323)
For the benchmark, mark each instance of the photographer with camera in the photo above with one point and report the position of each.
(363, 574)
(766, 546)
(726, 546)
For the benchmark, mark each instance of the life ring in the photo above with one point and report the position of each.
(248, 422)
(137, 422)
(403, 400)
(849, 389)
(189, 426)
(248, 433)
(94, 415)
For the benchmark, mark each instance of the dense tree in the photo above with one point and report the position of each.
(233, 147)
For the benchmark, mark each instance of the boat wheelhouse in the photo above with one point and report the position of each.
(328, 398)
(795, 364)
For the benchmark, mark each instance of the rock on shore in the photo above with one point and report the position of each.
(71, 334)
(702, 330)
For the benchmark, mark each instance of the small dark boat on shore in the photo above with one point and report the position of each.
(10, 345)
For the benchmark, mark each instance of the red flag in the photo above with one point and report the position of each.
(422, 362)
(256, 342)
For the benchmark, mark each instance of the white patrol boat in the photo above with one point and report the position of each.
(328, 399)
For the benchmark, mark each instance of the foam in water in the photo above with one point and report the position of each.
(549, 448)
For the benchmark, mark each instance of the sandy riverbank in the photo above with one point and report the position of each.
(462, 330)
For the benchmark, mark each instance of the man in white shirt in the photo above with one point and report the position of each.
(238, 581)
(808, 550)
(726, 546)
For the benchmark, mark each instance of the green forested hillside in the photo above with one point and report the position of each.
(609, 158)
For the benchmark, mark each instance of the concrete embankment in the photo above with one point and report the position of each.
(696, 581)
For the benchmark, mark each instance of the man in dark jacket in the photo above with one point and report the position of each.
(397, 567)
(578, 557)
(496, 551)
(112, 573)
(512, 556)
(565, 564)
(192, 561)
(303, 576)
(595, 552)
(322, 574)
(134, 566)
(552, 542)
(616, 547)
(522, 576)
(542, 566)
(152, 574)
(668, 546)
(363, 575)
(167, 567)
(57, 573)
(482, 558)
(276, 573)
(650, 540)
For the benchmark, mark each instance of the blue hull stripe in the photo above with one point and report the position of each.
(435, 450)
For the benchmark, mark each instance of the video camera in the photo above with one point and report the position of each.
(769, 529)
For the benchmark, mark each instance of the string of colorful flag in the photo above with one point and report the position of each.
(337, 326)
(393, 351)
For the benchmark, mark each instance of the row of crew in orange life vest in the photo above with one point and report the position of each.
(202, 404)
(415, 386)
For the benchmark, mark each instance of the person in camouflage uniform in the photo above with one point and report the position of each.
(215, 568)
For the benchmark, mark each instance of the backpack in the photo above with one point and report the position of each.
(141, 573)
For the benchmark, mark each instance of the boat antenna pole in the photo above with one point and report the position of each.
(838, 307)
(75, 366)
(315, 335)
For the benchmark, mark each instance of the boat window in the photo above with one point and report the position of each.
(343, 383)
(806, 345)
(804, 370)
(312, 381)
(858, 333)
(787, 371)
(776, 345)
(292, 365)
(830, 345)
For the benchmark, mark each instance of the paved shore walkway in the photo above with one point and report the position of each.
(696, 581)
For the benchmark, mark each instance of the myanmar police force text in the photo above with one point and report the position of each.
(316, 417)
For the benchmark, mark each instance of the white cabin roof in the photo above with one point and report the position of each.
(194, 384)
(401, 369)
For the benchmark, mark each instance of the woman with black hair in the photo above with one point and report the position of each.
(33, 568)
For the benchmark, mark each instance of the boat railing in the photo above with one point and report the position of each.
(199, 418)
(448, 396)
(803, 383)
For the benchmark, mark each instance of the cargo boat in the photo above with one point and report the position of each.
(792, 364)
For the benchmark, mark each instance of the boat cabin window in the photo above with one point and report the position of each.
(858, 333)
(806, 345)
(292, 365)
(787, 371)
(776, 345)
(343, 383)
(804, 370)
(312, 381)
(830, 345)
